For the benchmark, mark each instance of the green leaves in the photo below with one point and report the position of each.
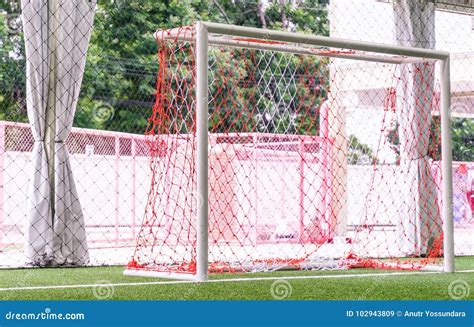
(463, 139)
(462, 130)
(12, 67)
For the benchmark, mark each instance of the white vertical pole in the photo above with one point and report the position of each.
(447, 167)
(2, 182)
(255, 190)
(134, 186)
(117, 189)
(202, 151)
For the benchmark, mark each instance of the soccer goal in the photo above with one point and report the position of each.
(273, 150)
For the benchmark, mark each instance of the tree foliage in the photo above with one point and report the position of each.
(12, 65)
(119, 81)
(462, 130)
(463, 139)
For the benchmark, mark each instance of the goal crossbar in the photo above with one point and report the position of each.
(232, 35)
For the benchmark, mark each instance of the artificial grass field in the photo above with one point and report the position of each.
(98, 283)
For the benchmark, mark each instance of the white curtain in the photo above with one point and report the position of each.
(420, 222)
(56, 34)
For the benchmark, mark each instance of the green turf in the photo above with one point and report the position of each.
(374, 287)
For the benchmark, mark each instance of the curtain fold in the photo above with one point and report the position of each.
(56, 36)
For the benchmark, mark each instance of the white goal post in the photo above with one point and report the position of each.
(207, 34)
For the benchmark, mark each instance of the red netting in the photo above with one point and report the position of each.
(313, 162)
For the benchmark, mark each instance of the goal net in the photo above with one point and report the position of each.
(270, 150)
